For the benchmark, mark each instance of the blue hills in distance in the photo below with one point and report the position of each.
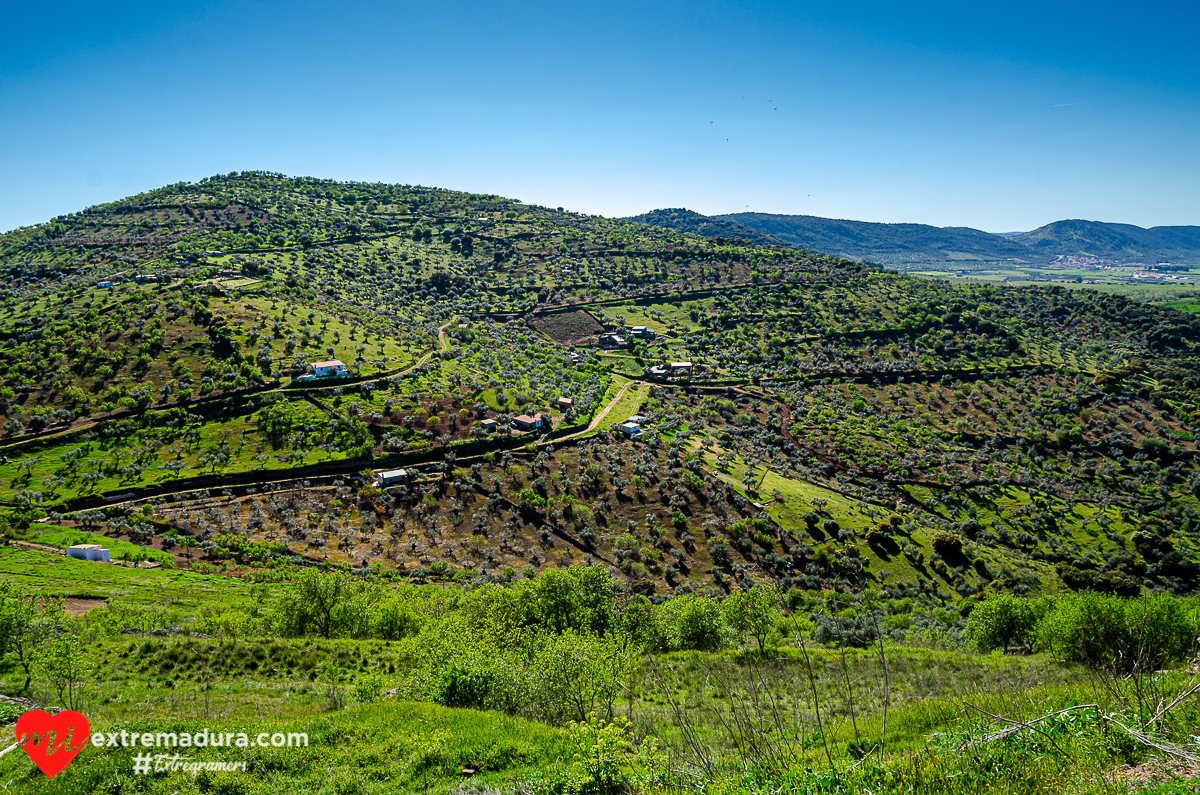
(915, 243)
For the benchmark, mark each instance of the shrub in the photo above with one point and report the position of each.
(845, 630)
(689, 622)
(462, 687)
(880, 534)
(393, 620)
(947, 543)
(719, 549)
(752, 612)
(605, 760)
(368, 688)
(1000, 621)
(1105, 631)
(1113, 582)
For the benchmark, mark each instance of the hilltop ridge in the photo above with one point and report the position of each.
(911, 246)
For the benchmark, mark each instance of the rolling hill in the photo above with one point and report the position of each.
(910, 246)
(885, 243)
(1027, 439)
(1123, 241)
(697, 224)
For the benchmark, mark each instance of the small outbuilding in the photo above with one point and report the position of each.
(613, 341)
(527, 422)
(672, 370)
(392, 477)
(489, 424)
(565, 404)
(681, 368)
(88, 552)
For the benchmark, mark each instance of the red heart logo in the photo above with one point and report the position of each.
(35, 730)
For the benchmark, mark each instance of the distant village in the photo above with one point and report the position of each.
(1131, 270)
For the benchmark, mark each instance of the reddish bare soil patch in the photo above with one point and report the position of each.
(77, 607)
(569, 328)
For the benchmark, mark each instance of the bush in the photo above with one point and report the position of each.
(606, 761)
(880, 534)
(462, 687)
(393, 620)
(845, 630)
(1113, 582)
(946, 543)
(1000, 621)
(753, 612)
(329, 604)
(368, 688)
(1106, 631)
(689, 622)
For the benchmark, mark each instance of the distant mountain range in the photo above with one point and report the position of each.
(916, 244)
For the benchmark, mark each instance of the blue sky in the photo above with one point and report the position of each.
(1002, 117)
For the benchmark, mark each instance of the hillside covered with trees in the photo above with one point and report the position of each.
(843, 427)
(592, 505)
(910, 246)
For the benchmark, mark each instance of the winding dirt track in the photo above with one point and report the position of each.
(443, 345)
(603, 413)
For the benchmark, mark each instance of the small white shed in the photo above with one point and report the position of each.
(88, 552)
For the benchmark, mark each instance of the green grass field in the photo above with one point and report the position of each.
(49, 574)
(52, 536)
(658, 315)
(368, 748)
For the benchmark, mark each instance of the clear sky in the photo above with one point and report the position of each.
(1001, 116)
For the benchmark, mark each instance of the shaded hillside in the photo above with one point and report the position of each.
(1114, 240)
(900, 243)
(882, 242)
(922, 244)
(688, 221)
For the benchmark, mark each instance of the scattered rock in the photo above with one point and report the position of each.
(24, 702)
(131, 631)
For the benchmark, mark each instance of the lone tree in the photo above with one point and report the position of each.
(752, 613)
(1000, 621)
